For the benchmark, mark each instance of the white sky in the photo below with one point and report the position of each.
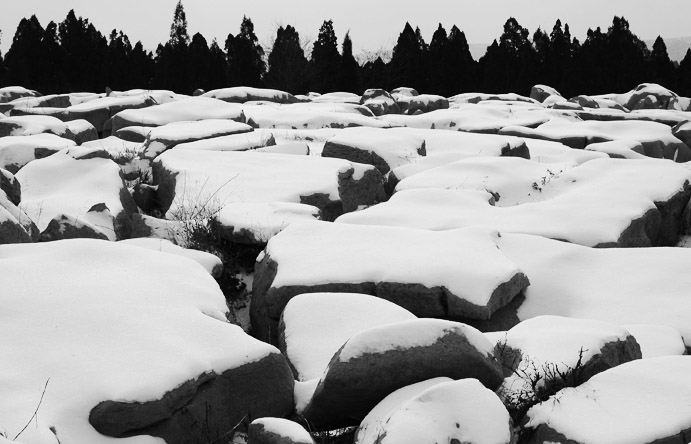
(372, 23)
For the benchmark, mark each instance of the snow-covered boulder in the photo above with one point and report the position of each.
(149, 226)
(682, 131)
(657, 340)
(375, 146)
(168, 136)
(422, 103)
(242, 94)
(78, 130)
(11, 186)
(335, 186)
(277, 431)
(542, 92)
(475, 98)
(143, 336)
(15, 225)
(64, 226)
(255, 223)
(232, 142)
(314, 326)
(642, 401)
(404, 91)
(189, 109)
(99, 111)
(83, 188)
(546, 352)
(380, 102)
(469, 277)
(577, 282)
(648, 96)
(516, 195)
(307, 116)
(595, 102)
(435, 411)
(619, 149)
(17, 151)
(9, 93)
(337, 97)
(212, 264)
(375, 362)
(294, 148)
(136, 134)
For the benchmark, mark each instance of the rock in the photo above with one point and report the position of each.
(10, 93)
(682, 131)
(403, 91)
(98, 111)
(277, 431)
(198, 92)
(295, 148)
(542, 92)
(623, 404)
(438, 410)
(133, 133)
(15, 225)
(384, 261)
(148, 226)
(310, 116)
(17, 151)
(423, 103)
(649, 96)
(475, 98)
(144, 196)
(381, 148)
(10, 186)
(234, 142)
(377, 361)
(211, 263)
(380, 102)
(242, 94)
(63, 226)
(657, 340)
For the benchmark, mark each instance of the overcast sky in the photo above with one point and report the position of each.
(373, 24)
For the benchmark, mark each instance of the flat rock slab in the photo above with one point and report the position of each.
(300, 117)
(601, 203)
(186, 178)
(242, 94)
(277, 431)
(437, 410)
(138, 371)
(91, 189)
(188, 109)
(643, 401)
(78, 130)
(168, 136)
(377, 361)
(17, 151)
(464, 275)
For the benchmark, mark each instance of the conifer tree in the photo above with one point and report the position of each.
(349, 77)
(245, 56)
(24, 60)
(288, 68)
(84, 48)
(325, 59)
(408, 65)
(683, 75)
(662, 66)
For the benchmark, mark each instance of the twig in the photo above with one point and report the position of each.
(35, 411)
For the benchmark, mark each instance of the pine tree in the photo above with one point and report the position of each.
(510, 65)
(85, 48)
(662, 66)
(461, 63)
(178, 29)
(325, 59)
(25, 58)
(683, 75)
(349, 77)
(627, 57)
(245, 56)
(288, 68)
(408, 65)
(2, 65)
(172, 65)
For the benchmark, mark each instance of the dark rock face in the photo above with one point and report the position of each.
(11, 186)
(64, 227)
(205, 409)
(260, 434)
(359, 155)
(350, 390)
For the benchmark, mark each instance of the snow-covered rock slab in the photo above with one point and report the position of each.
(242, 94)
(421, 103)
(545, 151)
(257, 222)
(474, 98)
(91, 189)
(542, 349)
(438, 411)
(28, 125)
(299, 117)
(168, 136)
(643, 401)
(575, 281)
(15, 225)
(189, 109)
(657, 340)
(377, 361)
(567, 204)
(232, 142)
(619, 149)
(334, 186)
(11, 186)
(380, 102)
(17, 151)
(375, 146)
(9, 93)
(212, 264)
(314, 326)
(138, 372)
(465, 274)
(277, 431)
(98, 111)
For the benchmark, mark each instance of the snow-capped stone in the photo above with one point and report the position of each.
(437, 411)
(232, 142)
(380, 102)
(375, 362)
(242, 94)
(149, 226)
(422, 103)
(189, 109)
(98, 111)
(15, 225)
(168, 136)
(212, 264)
(61, 184)
(9, 93)
(301, 116)
(375, 146)
(475, 98)
(405, 91)
(314, 326)
(657, 340)
(470, 277)
(642, 401)
(649, 96)
(11, 186)
(334, 186)
(136, 134)
(115, 333)
(542, 92)
(277, 431)
(295, 148)
(619, 149)
(64, 226)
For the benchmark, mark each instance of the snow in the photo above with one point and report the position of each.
(651, 284)
(547, 151)
(171, 134)
(315, 138)
(394, 148)
(17, 151)
(466, 262)
(657, 340)
(397, 336)
(105, 321)
(192, 108)
(241, 94)
(60, 184)
(294, 148)
(291, 117)
(28, 125)
(233, 142)
(318, 324)
(206, 260)
(337, 97)
(637, 402)
(264, 219)
(451, 411)
(285, 428)
(116, 147)
(626, 149)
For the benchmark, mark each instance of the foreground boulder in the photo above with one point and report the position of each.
(277, 431)
(137, 371)
(10, 93)
(380, 360)
(471, 280)
(640, 402)
(437, 410)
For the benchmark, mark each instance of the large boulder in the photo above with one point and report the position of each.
(471, 278)
(542, 92)
(438, 410)
(380, 102)
(277, 431)
(242, 94)
(78, 130)
(17, 151)
(138, 372)
(10, 93)
(640, 402)
(375, 362)
(309, 116)
(422, 103)
(64, 226)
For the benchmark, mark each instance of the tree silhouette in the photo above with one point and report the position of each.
(25, 58)
(84, 48)
(510, 65)
(683, 75)
(349, 76)
(325, 59)
(408, 65)
(661, 66)
(172, 66)
(245, 56)
(288, 68)
(178, 29)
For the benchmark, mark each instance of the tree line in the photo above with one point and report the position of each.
(73, 56)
